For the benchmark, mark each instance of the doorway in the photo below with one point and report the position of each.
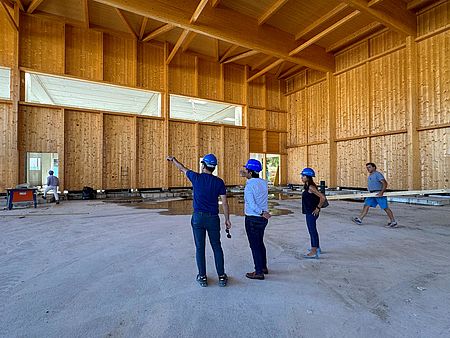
(271, 167)
(38, 166)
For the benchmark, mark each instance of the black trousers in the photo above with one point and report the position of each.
(255, 226)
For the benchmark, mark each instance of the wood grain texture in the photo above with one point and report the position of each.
(84, 53)
(7, 42)
(151, 156)
(273, 93)
(296, 161)
(234, 82)
(317, 97)
(83, 144)
(119, 152)
(41, 44)
(235, 155)
(182, 145)
(318, 158)
(385, 41)
(256, 92)
(434, 80)
(9, 159)
(273, 144)
(211, 142)
(352, 109)
(390, 153)
(257, 141)
(119, 60)
(182, 75)
(433, 19)
(297, 112)
(353, 55)
(351, 160)
(150, 64)
(209, 79)
(276, 121)
(435, 158)
(388, 92)
(40, 130)
(256, 118)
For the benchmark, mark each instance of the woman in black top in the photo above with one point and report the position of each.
(312, 201)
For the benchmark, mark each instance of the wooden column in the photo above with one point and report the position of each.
(245, 111)
(332, 145)
(15, 97)
(165, 114)
(412, 117)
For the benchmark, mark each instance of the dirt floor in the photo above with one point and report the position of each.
(94, 269)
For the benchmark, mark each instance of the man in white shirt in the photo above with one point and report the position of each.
(256, 216)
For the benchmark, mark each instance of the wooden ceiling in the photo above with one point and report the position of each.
(258, 33)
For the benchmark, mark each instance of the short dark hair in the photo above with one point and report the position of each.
(371, 164)
(210, 169)
(254, 174)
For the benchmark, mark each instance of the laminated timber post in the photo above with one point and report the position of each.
(165, 113)
(246, 110)
(412, 118)
(332, 145)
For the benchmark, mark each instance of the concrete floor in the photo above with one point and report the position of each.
(97, 269)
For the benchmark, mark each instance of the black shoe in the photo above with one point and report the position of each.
(44, 197)
(57, 202)
(223, 280)
(265, 271)
(254, 275)
(202, 280)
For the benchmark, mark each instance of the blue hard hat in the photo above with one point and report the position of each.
(308, 172)
(50, 172)
(253, 165)
(210, 160)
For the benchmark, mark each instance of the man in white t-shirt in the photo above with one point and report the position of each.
(256, 216)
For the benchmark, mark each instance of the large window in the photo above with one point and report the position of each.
(68, 92)
(5, 83)
(188, 108)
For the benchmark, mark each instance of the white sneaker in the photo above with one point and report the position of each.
(392, 224)
(357, 220)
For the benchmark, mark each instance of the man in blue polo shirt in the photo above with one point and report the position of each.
(206, 191)
(376, 183)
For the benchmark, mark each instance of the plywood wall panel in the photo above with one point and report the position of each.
(7, 42)
(182, 145)
(389, 153)
(273, 93)
(119, 151)
(84, 53)
(182, 75)
(385, 41)
(256, 118)
(235, 155)
(296, 82)
(352, 56)
(434, 80)
(435, 158)
(151, 155)
(296, 161)
(41, 130)
(351, 159)
(297, 112)
(273, 142)
(317, 96)
(388, 92)
(8, 147)
(41, 44)
(209, 79)
(150, 73)
(211, 142)
(276, 120)
(119, 60)
(352, 109)
(83, 143)
(256, 92)
(318, 159)
(234, 82)
(313, 76)
(256, 138)
(433, 19)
